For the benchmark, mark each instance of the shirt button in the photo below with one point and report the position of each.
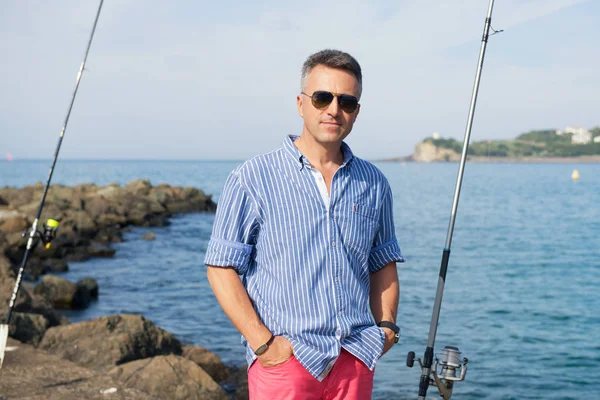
(333, 243)
(341, 312)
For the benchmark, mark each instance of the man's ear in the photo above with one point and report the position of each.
(299, 103)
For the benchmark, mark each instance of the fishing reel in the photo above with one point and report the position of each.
(47, 235)
(450, 363)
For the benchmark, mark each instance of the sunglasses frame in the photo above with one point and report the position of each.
(340, 98)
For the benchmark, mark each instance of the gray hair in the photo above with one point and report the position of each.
(333, 59)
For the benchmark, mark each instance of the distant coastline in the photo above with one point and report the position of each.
(506, 160)
(572, 145)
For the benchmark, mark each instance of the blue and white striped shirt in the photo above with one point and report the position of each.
(305, 265)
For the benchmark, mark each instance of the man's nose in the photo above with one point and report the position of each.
(334, 107)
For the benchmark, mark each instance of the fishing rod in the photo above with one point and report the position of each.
(51, 225)
(450, 361)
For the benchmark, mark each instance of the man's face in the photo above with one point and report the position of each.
(330, 124)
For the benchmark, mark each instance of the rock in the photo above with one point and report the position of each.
(140, 187)
(98, 250)
(18, 197)
(7, 283)
(77, 255)
(238, 380)
(55, 265)
(69, 236)
(161, 195)
(156, 207)
(62, 294)
(32, 374)
(110, 234)
(27, 300)
(81, 221)
(111, 219)
(149, 236)
(140, 217)
(89, 286)
(106, 211)
(187, 206)
(50, 210)
(191, 192)
(13, 242)
(64, 197)
(209, 361)
(111, 192)
(169, 377)
(138, 212)
(86, 188)
(27, 327)
(105, 342)
(33, 270)
(13, 223)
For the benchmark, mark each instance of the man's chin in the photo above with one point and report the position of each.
(331, 136)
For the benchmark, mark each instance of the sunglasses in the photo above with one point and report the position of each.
(321, 99)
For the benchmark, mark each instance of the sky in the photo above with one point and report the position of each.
(199, 80)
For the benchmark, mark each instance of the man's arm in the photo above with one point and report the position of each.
(384, 296)
(234, 300)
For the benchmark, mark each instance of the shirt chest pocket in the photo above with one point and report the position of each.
(358, 224)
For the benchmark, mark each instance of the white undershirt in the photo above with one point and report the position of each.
(321, 185)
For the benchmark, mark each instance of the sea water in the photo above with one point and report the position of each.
(521, 299)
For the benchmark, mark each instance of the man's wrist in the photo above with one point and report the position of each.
(392, 327)
(256, 334)
(260, 350)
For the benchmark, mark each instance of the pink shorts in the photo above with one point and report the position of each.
(349, 379)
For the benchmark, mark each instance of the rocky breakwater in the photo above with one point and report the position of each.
(91, 219)
(126, 350)
(117, 356)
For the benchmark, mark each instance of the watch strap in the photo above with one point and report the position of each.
(395, 328)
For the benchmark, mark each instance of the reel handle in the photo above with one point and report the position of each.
(410, 359)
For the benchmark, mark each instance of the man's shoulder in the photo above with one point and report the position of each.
(257, 165)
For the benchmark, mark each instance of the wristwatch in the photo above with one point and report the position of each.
(261, 349)
(393, 327)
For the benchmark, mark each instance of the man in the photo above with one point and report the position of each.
(309, 227)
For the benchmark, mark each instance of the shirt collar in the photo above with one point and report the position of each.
(301, 161)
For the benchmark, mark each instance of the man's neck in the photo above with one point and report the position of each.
(321, 156)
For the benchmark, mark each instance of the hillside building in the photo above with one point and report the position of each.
(579, 135)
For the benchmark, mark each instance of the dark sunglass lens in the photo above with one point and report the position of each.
(348, 103)
(321, 99)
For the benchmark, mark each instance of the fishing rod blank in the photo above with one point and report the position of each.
(51, 225)
(450, 356)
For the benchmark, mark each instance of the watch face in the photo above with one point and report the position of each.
(261, 349)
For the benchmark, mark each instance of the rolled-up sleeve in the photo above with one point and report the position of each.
(235, 228)
(385, 245)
